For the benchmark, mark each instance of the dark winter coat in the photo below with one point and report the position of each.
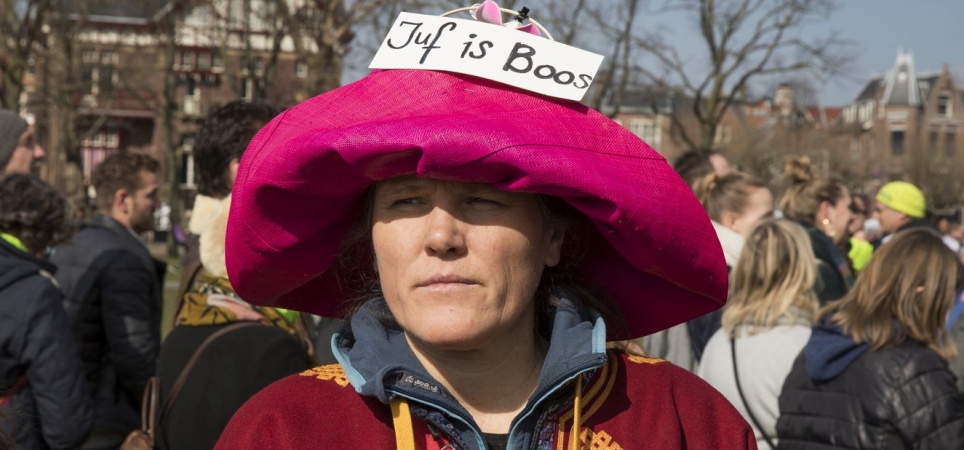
(914, 223)
(230, 371)
(840, 394)
(833, 268)
(53, 410)
(113, 290)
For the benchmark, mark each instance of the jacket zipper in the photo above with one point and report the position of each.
(551, 389)
(450, 413)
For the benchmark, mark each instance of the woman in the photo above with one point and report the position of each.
(822, 206)
(209, 306)
(736, 203)
(492, 237)
(44, 401)
(766, 322)
(874, 373)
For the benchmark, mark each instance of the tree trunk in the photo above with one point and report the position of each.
(167, 122)
(329, 64)
(707, 133)
(13, 86)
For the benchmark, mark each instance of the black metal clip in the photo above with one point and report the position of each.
(523, 15)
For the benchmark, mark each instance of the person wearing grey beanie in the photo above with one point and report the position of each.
(19, 151)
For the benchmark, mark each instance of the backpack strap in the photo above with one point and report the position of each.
(182, 378)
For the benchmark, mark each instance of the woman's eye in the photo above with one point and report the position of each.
(483, 201)
(406, 201)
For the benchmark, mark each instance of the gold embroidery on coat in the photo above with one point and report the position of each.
(643, 360)
(331, 372)
(600, 440)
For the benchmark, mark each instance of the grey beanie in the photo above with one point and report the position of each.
(11, 127)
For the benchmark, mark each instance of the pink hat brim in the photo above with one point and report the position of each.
(301, 180)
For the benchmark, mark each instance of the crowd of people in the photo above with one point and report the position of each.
(829, 340)
(424, 259)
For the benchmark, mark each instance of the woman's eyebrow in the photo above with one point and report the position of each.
(400, 189)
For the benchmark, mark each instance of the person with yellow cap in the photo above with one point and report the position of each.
(900, 205)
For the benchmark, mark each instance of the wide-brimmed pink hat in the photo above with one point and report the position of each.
(301, 181)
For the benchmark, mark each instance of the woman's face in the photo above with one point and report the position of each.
(839, 216)
(759, 206)
(459, 263)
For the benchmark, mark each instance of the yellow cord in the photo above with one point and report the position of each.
(575, 441)
(402, 420)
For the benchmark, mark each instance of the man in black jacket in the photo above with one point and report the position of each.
(113, 290)
(43, 397)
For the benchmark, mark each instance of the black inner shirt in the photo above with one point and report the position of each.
(496, 441)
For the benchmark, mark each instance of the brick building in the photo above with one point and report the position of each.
(909, 125)
(101, 82)
(756, 136)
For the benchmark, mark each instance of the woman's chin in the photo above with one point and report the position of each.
(449, 336)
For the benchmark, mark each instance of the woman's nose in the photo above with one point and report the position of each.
(444, 234)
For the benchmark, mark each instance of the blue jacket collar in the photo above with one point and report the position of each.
(379, 363)
(829, 352)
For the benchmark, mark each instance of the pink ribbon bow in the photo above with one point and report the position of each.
(489, 12)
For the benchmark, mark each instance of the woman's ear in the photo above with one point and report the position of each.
(554, 246)
(233, 171)
(823, 212)
(728, 219)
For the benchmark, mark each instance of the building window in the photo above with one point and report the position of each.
(88, 56)
(897, 143)
(247, 89)
(647, 130)
(865, 112)
(949, 145)
(198, 17)
(301, 69)
(944, 105)
(259, 66)
(204, 61)
(217, 62)
(933, 143)
(108, 58)
(187, 60)
(236, 14)
(187, 162)
(106, 77)
(112, 140)
(192, 98)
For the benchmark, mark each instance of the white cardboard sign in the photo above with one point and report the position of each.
(506, 55)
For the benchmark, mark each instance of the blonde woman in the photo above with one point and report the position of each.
(735, 202)
(766, 323)
(822, 206)
(874, 373)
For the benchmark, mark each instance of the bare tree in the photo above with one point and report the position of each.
(21, 30)
(332, 24)
(620, 69)
(745, 40)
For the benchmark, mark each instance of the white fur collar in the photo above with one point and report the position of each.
(731, 241)
(209, 220)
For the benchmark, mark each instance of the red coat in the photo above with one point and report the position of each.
(632, 402)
